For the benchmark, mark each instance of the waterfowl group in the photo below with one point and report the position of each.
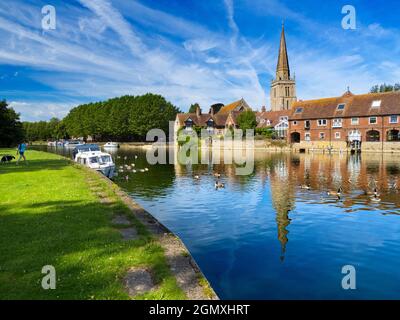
(305, 187)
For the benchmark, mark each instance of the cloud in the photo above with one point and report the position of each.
(35, 111)
(104, 48)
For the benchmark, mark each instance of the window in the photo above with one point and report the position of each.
(299, 110)
(337, 123)
(337, 135)
(283, 118)
(355, 121)
(393, 119)
(376, 104)
(189, 123)
(307, 137)
(322, 122)
(322, 135)
(307, 124)
(373, 120)
(341, 106)
(295, 123)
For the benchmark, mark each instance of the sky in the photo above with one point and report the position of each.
(207, 51)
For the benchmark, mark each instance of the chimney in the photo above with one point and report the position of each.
(198, 111)
(263, 109)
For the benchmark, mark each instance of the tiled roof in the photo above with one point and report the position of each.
(272, 116)
(355, 106)
(235, 106)
(202, 119)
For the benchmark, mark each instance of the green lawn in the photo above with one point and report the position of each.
(50, 215)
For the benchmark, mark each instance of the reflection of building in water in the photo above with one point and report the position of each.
(283, 192)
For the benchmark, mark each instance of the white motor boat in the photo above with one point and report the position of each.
(52, 143)
(90, 156)
(111, 145)
(73, 144)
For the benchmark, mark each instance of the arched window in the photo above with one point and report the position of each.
(295, 137)
(393, 135)
(373, 136)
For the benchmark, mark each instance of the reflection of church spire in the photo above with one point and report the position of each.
(282, 191)
(282, 221)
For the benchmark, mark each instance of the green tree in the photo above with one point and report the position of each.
(385, 88)
(247, 120)
(193, 108)
(124, 118)
(11, 130)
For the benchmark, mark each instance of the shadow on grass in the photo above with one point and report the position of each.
(76, 238)
(33, 165)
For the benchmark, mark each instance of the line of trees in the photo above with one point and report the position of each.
(11, 130)
(385, 88)
(45, 130)
(125, 118)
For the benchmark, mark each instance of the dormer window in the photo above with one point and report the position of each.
(299, 110)
(210, 123)
(341, 107)
(376, 104)
(189, 123)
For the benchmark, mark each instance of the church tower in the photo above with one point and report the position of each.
(283, 87)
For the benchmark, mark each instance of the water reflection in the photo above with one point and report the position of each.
(265, 237)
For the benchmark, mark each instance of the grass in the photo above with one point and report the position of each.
(50, 215)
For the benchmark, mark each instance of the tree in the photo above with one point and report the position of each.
(193, 108)
(124, 118)
(11, 130)
(151, 111)
(247, 120)
(385, 88)
(216, 107)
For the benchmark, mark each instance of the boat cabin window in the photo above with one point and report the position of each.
(93, 160)
(105, 159)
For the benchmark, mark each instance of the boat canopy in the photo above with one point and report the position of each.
(85, 148)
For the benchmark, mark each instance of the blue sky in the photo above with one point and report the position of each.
(189, 51)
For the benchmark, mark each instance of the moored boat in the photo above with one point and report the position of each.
(111, 145)
(91, 156)
(73, 143)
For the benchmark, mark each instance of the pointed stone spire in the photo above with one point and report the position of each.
(282, 68)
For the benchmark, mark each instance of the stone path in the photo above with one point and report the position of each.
(129, 234)
(138, 281)
(182, 265)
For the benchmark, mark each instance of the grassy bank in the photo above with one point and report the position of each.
(51, 214)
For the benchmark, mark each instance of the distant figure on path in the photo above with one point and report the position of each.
(21, 152)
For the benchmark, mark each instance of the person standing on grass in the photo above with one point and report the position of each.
(21, 152)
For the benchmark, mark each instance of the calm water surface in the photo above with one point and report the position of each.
(263, 237)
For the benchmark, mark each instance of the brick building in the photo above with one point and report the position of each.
(346, 121)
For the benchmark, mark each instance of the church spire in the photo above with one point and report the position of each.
(282, 68)
(283, 88)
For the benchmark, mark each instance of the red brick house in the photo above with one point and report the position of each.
(346, 120)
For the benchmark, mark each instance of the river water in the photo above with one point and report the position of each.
(264, 237)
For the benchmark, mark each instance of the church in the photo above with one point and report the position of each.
(348, 122)
(282, 93)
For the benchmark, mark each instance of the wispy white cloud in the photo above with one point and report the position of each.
(35, 111)
(107, 48)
